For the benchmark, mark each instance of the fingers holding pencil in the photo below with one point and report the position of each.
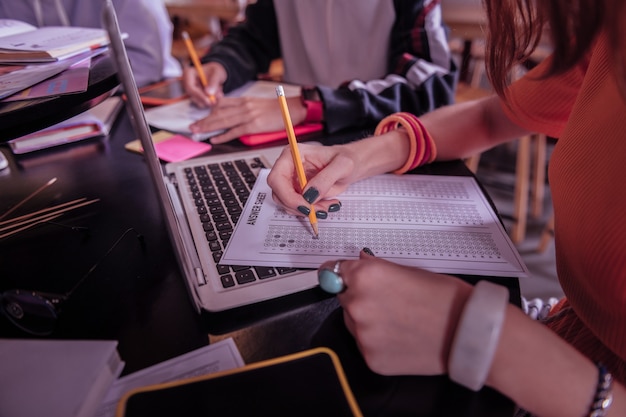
(297, 160)
(203, 82)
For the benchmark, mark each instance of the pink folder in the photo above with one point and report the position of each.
(260, 138)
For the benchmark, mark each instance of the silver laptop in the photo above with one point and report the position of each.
(200, 201)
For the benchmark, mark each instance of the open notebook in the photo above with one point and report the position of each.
(201, 200)
(176, 117)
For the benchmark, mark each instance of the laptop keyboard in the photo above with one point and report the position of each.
(220, 191)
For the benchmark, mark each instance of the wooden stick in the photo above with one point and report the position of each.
(28, 197)
(36, 220)
(40, 220)
(38, 212)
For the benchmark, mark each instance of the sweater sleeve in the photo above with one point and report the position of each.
(144, 46)
(248, 48)
(421, 73)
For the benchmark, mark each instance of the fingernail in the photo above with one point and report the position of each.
(368, 251)
(334, 207)
(304, 210)
(329, 281)
(321, 214)
(311, 194)
(210, 92)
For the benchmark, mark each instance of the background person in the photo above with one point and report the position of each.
(366, 59)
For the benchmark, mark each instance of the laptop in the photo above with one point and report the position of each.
(200, 200)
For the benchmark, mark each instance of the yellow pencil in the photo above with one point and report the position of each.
(196, 63)
(295, 153)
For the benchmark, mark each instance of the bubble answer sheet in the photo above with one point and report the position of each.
(440, 223)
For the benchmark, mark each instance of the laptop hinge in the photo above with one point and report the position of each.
(200, 276)
(171, 177)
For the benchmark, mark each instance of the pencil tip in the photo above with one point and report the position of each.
(316, 230)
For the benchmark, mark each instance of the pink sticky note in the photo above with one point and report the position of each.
(179, 148)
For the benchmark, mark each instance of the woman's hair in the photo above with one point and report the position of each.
(517, 26)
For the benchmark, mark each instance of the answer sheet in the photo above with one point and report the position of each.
(440, 223)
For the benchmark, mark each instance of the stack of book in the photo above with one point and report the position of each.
(52, 61)
(29, 55)
(93, 123)
(21, 42)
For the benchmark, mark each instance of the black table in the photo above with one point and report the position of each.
(138, 297)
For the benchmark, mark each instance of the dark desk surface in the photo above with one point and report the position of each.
(139, 298)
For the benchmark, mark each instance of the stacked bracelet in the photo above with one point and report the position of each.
(604, 395)
(477, 335)
(422, 147)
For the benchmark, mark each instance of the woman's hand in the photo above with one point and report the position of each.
(215, 75)
(240, 116)
(331, 169)
(403, 318)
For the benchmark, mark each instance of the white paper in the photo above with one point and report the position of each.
(440, 223)
(15, 78)
(176, 117)
(55, 38)
(219, 356)
(11, 27)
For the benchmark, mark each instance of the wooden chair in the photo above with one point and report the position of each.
(529, 183)
(546, 235)
(531, 153)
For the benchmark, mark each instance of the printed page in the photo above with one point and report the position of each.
(219, 356)
(177, 117)
(440, 223)
(74, 79)
(12, 26)
(16, 78)
(55, 38)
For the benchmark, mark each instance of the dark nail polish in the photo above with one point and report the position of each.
(334, 207)
(311, 194)
(368, 251)
(304, 210)
(321, 214)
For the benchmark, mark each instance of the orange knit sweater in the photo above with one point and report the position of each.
(585, 111)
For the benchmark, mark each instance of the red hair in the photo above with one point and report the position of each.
(517, 26)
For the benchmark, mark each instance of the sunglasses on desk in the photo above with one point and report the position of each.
(36, 312)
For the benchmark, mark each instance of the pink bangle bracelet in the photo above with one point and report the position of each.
(422, 147)
(393, 122)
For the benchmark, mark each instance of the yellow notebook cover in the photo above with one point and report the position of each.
(308, 383)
